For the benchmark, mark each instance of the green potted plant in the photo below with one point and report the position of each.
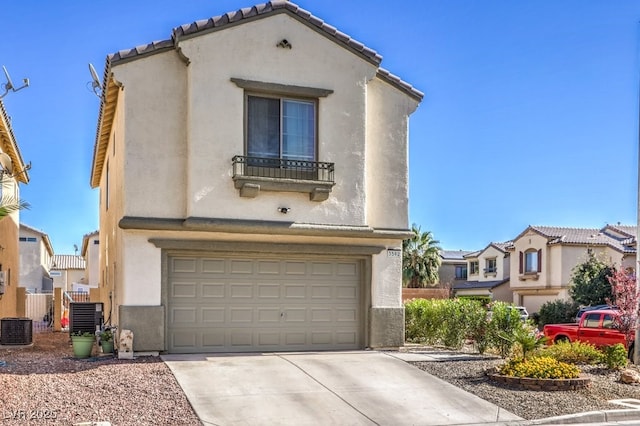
(82, 342)
(106, 341)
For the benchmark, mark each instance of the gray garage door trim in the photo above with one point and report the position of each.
(248, 302)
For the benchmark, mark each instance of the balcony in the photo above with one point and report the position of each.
(254, 174)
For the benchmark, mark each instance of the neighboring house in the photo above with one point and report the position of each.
(91, 253)
(543, 258)
(253, 175)
(453, 267)
(68, 272)
(36, 253)
(488, 273)
(13, 171)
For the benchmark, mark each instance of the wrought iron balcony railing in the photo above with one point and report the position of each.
(279, 168)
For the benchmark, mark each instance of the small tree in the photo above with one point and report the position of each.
(589, 283)
(420, 259)
(626, 298)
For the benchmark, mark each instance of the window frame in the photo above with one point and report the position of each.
(463, 272)
(474, 267)
(491, 270)
(282, 98)
(530, 267)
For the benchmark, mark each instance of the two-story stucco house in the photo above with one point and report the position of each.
(13, 172)
(543, 257)
(253, 172)
(36, 253)
(453, 267)
(488, 273)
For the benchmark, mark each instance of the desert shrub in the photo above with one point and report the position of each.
(557, 312)
(615, 356)
(542, 367)
(445, 322)
(420, 320)
(504, 323)
(574, 353)
(527, 340)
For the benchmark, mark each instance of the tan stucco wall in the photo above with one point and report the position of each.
(492, 253)
(67, 278)
(10, 261)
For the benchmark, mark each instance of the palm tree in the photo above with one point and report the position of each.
(420, 259)
(10, 205)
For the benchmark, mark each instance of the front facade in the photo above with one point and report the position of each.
(488, 274)
(13, 172)
(284, 187)
(36, 253)
(543, 258)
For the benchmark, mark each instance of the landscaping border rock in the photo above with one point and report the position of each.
(527, 383)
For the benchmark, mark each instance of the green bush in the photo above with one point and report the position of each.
(446, 322)
(557, 312)
(505, 322)
(542, 367)
(615, 356)
(574, 353)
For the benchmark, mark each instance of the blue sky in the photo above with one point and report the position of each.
(530, 113)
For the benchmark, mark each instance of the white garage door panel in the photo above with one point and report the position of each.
(242, 305)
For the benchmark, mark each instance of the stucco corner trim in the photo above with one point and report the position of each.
(283, 89)
(265, 227)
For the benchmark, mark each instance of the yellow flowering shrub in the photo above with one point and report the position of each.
(542, 367)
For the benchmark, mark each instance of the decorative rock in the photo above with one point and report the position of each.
(546, 385)
(629, 376)
(125, 349)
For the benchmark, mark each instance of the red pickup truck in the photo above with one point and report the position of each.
(595, 327)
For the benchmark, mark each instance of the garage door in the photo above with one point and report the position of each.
(218, 304)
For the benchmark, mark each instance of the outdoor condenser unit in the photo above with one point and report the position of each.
(85, 317)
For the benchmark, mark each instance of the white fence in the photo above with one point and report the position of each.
(39, 307)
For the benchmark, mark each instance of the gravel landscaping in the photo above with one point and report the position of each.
(44, 384)
(470, 375)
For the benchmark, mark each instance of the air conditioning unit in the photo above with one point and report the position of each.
(85, 317)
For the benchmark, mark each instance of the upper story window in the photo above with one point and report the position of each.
(474, 267)
(281, 141)
(461, 272)
(530, 262)
(28, 239)
(491, 266)
(281, 128)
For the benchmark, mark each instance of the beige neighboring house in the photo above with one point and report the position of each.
(543, 257)
(68, 272)
(253, 175)
(36, 253)
(90, 251)
(453, 267)
(488, 274)
(13, 172)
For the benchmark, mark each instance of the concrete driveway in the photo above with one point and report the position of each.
(336, 388)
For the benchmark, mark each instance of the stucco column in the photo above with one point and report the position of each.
(57, 308)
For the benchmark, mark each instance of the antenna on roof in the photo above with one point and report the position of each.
(9, 84)
(95, 83)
